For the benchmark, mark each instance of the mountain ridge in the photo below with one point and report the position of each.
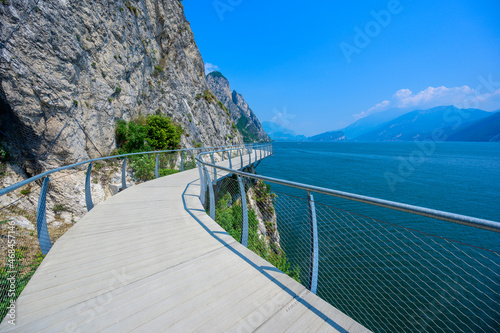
(242, 115)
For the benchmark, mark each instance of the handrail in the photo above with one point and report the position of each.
(427, 212)
(49, 172)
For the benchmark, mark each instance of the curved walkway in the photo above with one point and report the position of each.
(150, 259)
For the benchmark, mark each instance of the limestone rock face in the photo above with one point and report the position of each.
(244, 118)
(70, 69)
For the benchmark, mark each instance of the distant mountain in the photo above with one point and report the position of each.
(371, 122)
(280, 133)
(420, 124)
(244, 118)
(328, 137)
(486, 129)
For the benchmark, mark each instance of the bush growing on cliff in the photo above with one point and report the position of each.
(155, 132)
(228, 216)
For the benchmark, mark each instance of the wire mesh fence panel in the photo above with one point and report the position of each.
(391, 278)
(263, 236)
(388, 277)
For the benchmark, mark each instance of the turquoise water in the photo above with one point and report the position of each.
(389, 270)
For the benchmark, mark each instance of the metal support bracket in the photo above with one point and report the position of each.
(203, 186)
(182, 160)
(313, 276)
(157, 173)
(244, 214)
(41, 219)
(88, 193)
(215, 170)
(211, 194)
(124, 174)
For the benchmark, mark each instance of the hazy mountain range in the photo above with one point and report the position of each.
(444, 123)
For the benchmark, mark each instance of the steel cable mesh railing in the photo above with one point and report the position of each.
(392, 278)
(386, 276)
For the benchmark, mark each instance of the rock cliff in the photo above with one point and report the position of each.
(244, 118)
(70, 69)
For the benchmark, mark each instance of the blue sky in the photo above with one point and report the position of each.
(305, 64)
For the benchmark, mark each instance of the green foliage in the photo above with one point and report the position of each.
(4, 154)
(120, 9)
(17, 271)
(4, 158)
(118, 90)
(143, 166)
(93, 65)
(75, 102)
(158, 68)
(131, 137)
(207, 95)
(162, 133)
(26, 191)
(167, 171)
(155, 132)
(228, 215)
(59, 208)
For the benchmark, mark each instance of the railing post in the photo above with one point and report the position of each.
(124, 174)
(244, 214)
(157, 173)
(211, 194)
(223, 155)
(203, 187)
(88, 193)
(249, 158)
(41, 219)
(313, 274)
(230, 161)
(182, 160)
(255, 154)
(241, 158)
(215, 170)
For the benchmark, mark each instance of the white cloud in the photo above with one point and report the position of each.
(210, 68)
(462, 97)
(382, 106)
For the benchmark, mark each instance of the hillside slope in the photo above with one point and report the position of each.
(486, 129)
(244, 118)
(420, 124)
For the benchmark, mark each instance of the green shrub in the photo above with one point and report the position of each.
(207, 95)
(162, 133)
(22, 273)
(166, 172)
(59, 208)
(118, 90)
(143, 166)
(228, 216)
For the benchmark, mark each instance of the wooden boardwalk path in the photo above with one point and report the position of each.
(150, 259)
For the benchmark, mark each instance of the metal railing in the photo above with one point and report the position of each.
(35, 212)
(383, 272)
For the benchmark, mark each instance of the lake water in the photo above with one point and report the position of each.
(393, 271)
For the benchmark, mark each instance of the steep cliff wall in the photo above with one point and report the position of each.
(244, 118)
(70, 69)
